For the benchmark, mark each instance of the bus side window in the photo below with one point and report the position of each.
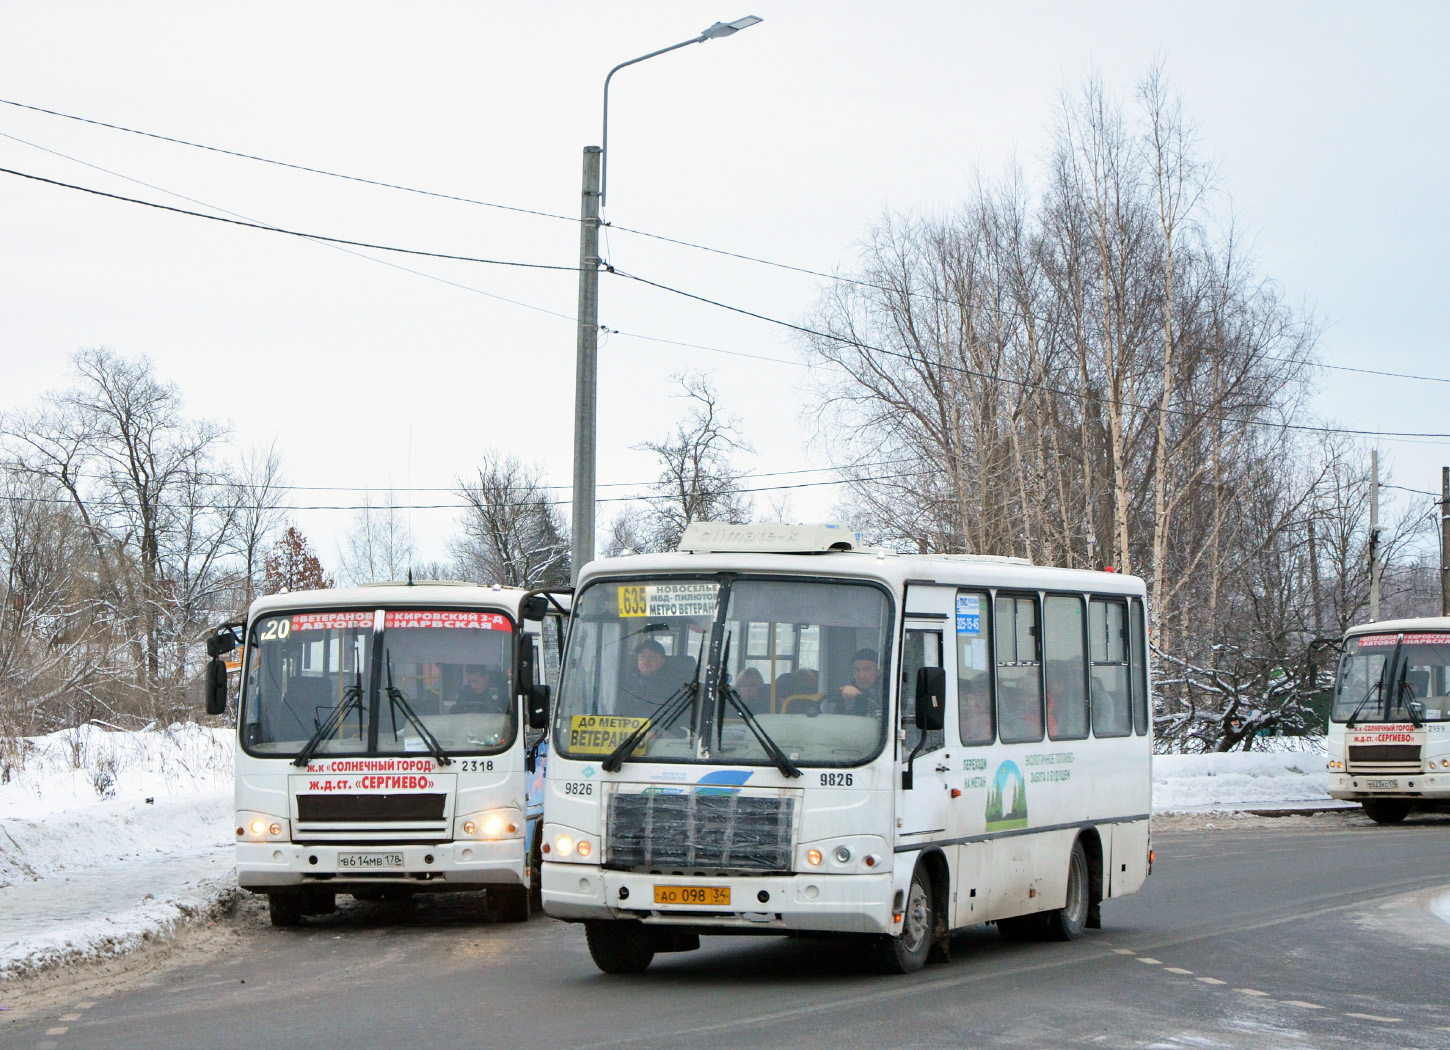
(1108, 643)
(1019, 670)
(974, 668)
(1140, 669)
(1065, 664)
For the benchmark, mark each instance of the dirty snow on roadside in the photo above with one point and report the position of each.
(109, 840)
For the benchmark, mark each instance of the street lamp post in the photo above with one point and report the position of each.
(581, 545)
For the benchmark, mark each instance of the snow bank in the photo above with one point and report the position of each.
(1240, 780)
(109, 840)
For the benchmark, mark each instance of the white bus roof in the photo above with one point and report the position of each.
(1416, 623)
(379, 595)
(893, 569)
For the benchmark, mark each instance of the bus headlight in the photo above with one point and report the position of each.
(493, 824)
(261, 827)
(564, 845)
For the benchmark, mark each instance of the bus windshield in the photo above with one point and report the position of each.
(369, 681)
(1417, 688)
(727, 670)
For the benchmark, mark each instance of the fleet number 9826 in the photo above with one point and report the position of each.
(837, 780)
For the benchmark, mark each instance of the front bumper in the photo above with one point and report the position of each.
(828, 903)
(263, 866)
(1355, 787)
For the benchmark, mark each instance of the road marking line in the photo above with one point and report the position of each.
(70, 1017)
(1362, 1017)
(1179, 970)
(1124, 951)
(58, 1030)
(84, 1006)
(1150, 962)
(1211, 980)
(1250, 991)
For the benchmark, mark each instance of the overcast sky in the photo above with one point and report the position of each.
(785, 141)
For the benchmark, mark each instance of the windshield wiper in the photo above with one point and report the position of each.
(676, 704)
(1409, 706)
(351, 700)
(1349, 724)
(398, 700)
(769, 746)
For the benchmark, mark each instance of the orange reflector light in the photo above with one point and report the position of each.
(813, 856)
(582, 849)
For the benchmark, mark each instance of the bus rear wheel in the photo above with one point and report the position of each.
(907, 953)
(1066, 923)
(1386, 810)
(619, 945)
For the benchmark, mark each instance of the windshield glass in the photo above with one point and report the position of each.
(452, 668)
(1358, 682)
(805, 659)
(1422, 680)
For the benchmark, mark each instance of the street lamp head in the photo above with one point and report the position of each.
(726, 28)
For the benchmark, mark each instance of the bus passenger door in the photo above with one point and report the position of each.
(922, 815)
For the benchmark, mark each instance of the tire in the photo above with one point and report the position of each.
(536, 869)
(1386, 810)
(318, 902)
(1067, 923)
(619, 945)
(507, 903)
(285, 909)
(907, 953)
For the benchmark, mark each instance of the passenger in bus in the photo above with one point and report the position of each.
(751, 689)
(974, 696)
(655, 679)
(802, 682)
(482, 692)
(863, 695)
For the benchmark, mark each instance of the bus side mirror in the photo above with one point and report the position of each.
(215, 684)
(221, 643)
(534, 607)
(931, 699)
(536, 700)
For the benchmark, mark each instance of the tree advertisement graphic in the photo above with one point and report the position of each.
(1007, 799)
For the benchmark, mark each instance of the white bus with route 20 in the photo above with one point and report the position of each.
(381, 742)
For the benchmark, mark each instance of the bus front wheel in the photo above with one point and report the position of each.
(1386, 810)
(907, 953)
(285, 909)
(619, 945)
(507, 903)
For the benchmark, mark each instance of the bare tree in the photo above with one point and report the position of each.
(512, 532)
(379, 545)
(258, 491)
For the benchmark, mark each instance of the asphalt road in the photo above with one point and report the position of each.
(1312, 933)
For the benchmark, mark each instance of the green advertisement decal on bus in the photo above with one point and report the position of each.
(1007, 800)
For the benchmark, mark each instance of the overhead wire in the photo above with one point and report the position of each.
(605, 226)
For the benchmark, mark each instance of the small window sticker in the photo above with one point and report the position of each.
(969, 614)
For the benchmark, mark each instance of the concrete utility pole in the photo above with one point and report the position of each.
(1374, 535)
(586, 371)
(1445, 541)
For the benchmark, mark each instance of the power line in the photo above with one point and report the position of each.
(605, 225)
(1026, 384)
(291, 233)
(286, 164)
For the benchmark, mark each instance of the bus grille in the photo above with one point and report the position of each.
(1384, 758)
(367, 809)
(697, 831)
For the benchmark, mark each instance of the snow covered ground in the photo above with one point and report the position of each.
(109, 840)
